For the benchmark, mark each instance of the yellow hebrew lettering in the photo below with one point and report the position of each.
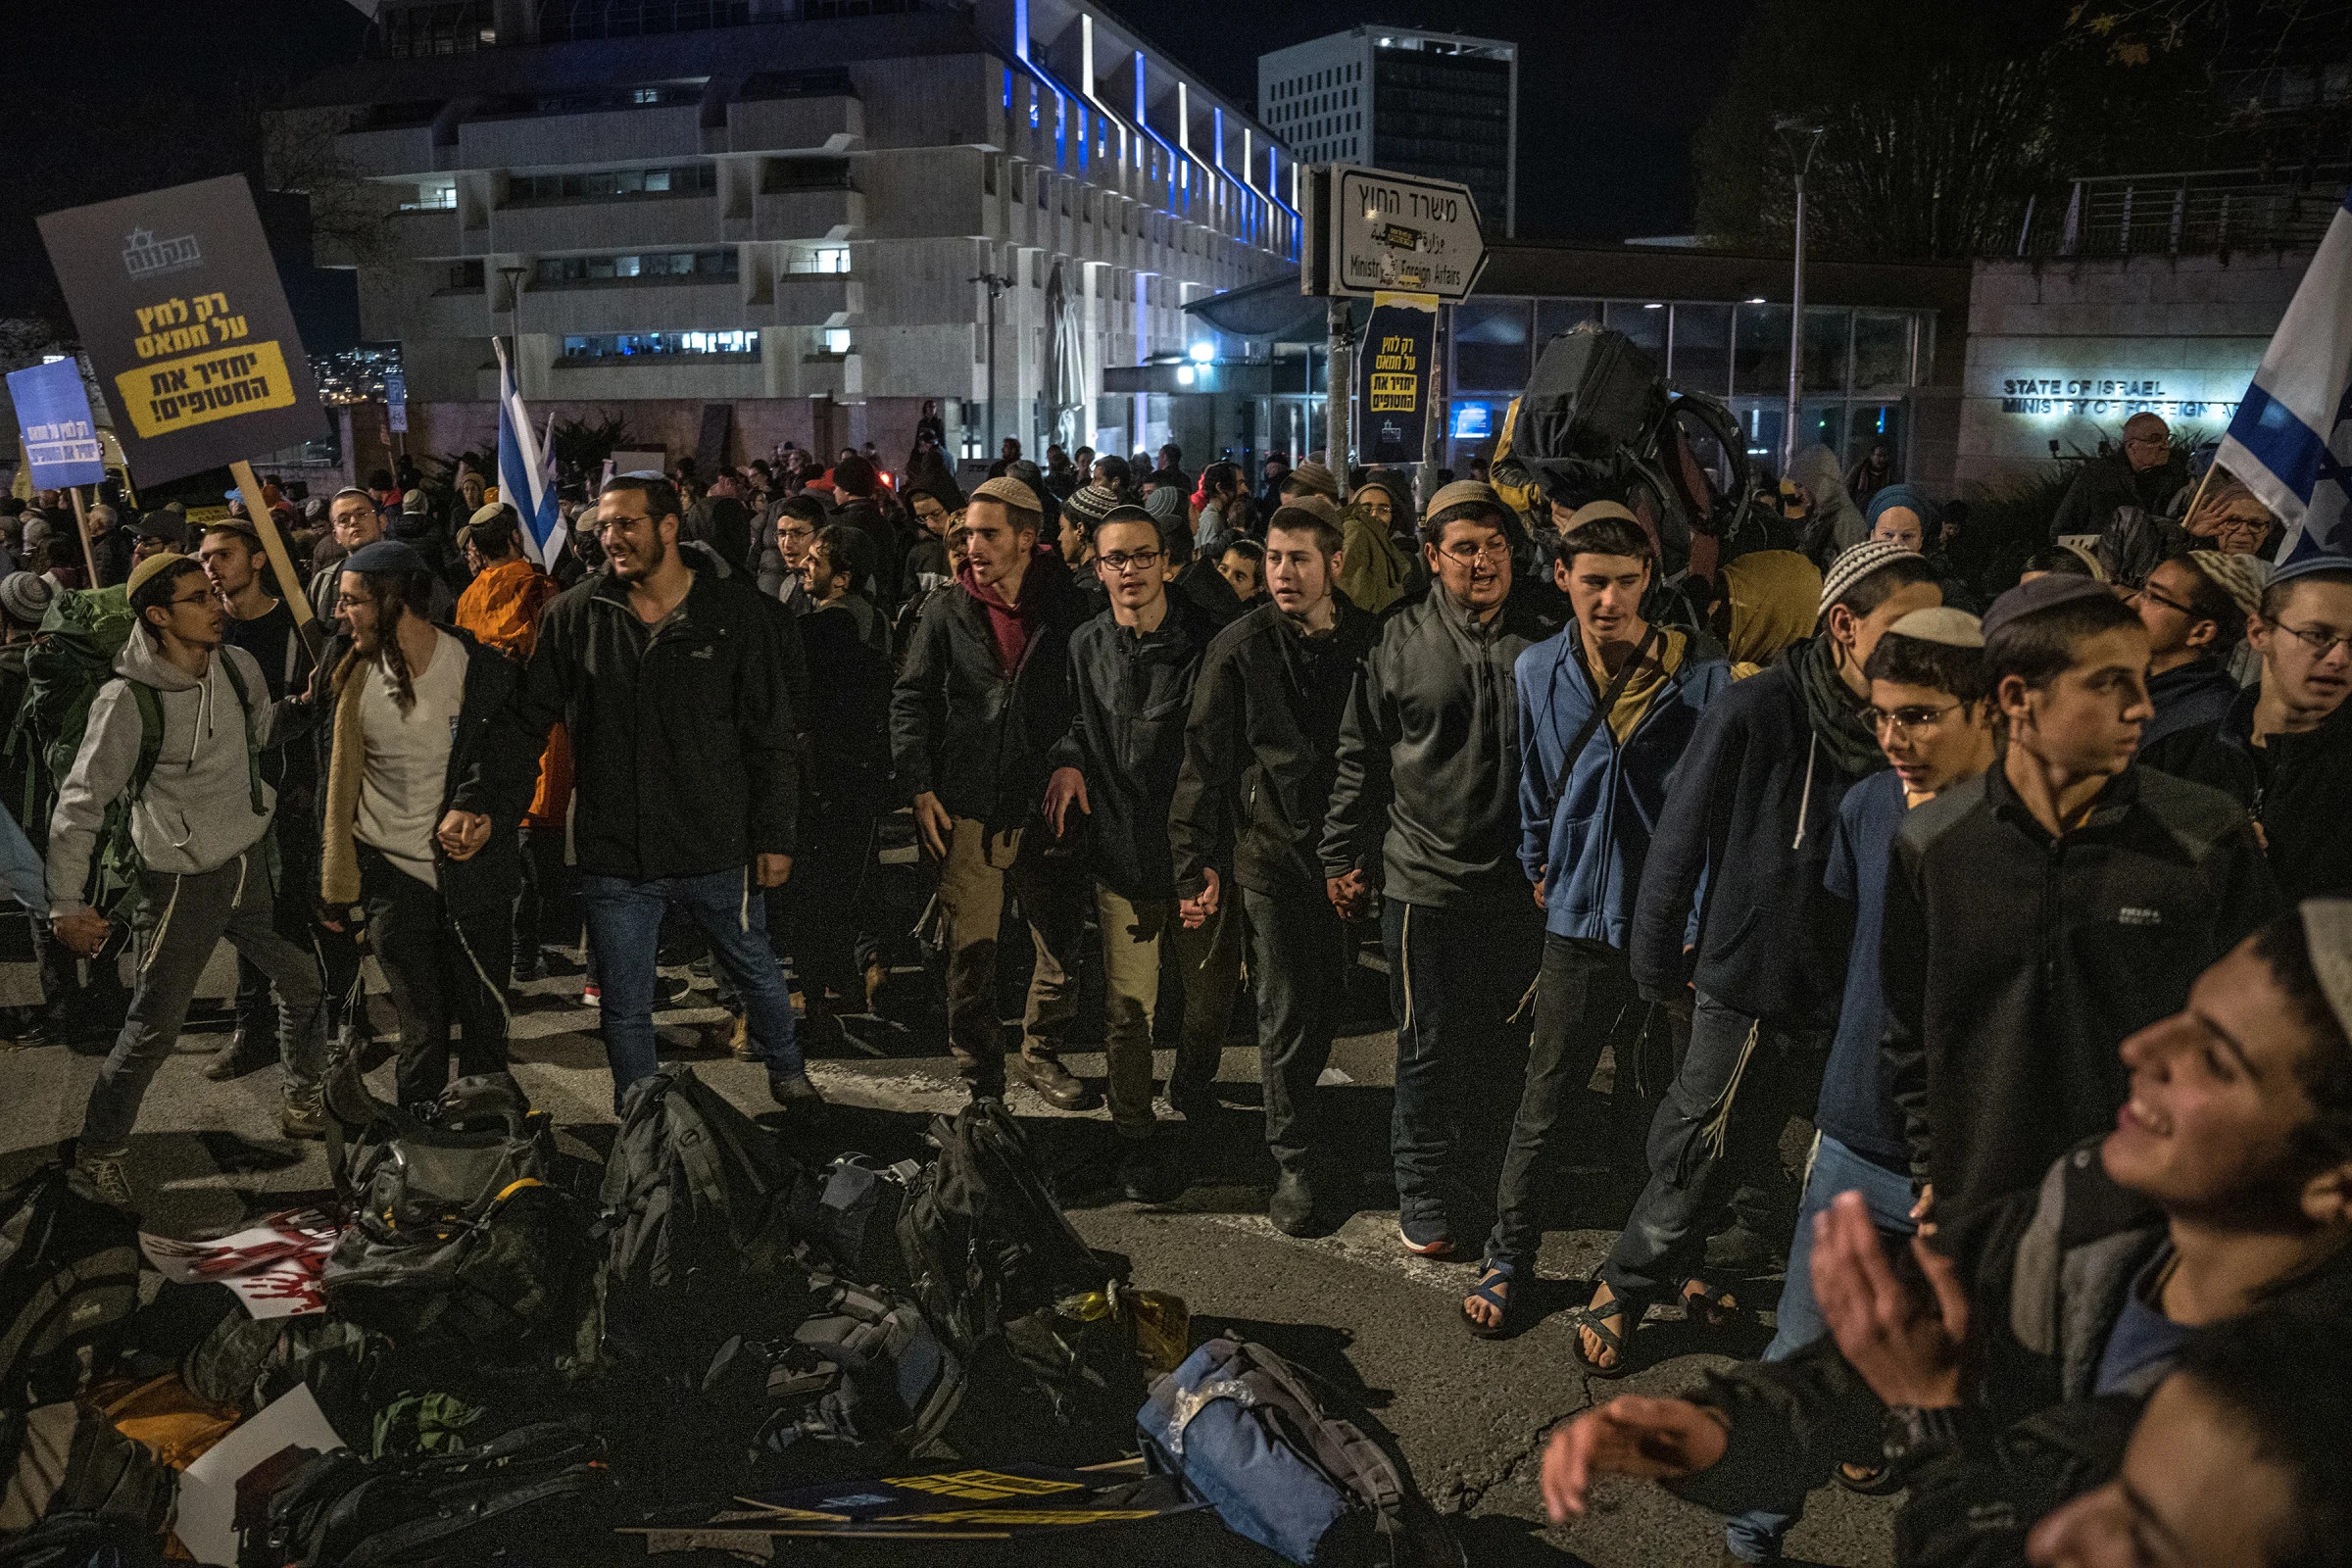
(181, 394)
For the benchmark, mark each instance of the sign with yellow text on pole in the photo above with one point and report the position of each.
(181, 309)
(1371, 232)
(1392, 396)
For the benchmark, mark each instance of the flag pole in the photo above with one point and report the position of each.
(2190, 516)
(305, 623)
(81, 527)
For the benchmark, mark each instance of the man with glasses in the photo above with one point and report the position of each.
(358, 523)
(1132, 673)
(671, 687)
(2284, 748)
(2194, 609)
(2038, 914)
(2144, 472)
(1425, 816)
(179, 736)
(799, 519)
(927, 563)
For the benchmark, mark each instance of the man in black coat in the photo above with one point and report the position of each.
(982, 696)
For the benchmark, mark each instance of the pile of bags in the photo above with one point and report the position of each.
(522, 1353)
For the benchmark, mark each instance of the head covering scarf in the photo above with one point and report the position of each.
(1773, 594)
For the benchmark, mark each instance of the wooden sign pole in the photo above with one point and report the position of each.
(274, 545)
(81, 531)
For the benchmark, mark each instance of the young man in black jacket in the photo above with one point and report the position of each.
(1425, 812)
(2009, 1382)
(983, 694)
(2063, 898)
(2284, 750)
(1753, 810)
(1260, 757)
(1132, 674)
(670, 682)
(2194, 624)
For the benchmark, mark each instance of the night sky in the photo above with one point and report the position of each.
(111, 97)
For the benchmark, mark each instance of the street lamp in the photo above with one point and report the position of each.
(514, 276)
(997, 283)
(1803, 139)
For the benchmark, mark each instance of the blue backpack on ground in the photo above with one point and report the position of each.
(1244, 1431)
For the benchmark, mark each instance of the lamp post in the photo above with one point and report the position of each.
(997, 283)
(514, 276)
(1803, 139)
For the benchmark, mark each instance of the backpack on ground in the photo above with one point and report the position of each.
(72, 656)
(985, 1239)
(1245, 1432)
(110, 1507)
(68, 1270)
(456, 1234)
(539, 1487)
(247, 1364)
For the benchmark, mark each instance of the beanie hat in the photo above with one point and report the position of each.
(2238, 577)
(1910, 497)
(386, 557)
(1314, 477)
(2327, 933)
(1007, 491)
(144, 572)
(1953, 628)
(2043, 593)
(1858, 563)
(24, 596)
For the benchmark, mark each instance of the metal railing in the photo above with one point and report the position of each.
(2203, 212)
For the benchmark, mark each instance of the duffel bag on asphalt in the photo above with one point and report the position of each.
(1247, 1433)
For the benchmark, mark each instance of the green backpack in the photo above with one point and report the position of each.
(70, 658)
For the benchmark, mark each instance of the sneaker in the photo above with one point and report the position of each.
(1060, 1087)
(241, 1055)
(793, 1091)
(1147, 1174)
(302, 1115)
(592, 995)
(1425, 1236)
(108, 1173)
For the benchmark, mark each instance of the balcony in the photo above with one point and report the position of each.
(815, 299)
(795, 124)
(828, 212)
(617, 224)
(2204, 212)
(654, 305)
(419, 232)
(596, 136)
(390, 152)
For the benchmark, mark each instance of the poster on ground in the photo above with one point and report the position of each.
(181, 313)
(272, 1268)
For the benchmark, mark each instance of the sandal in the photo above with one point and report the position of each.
(1491, 1289)
(1597, 1319)
(1717, 1309)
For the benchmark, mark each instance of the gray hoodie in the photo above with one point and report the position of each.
(196, 812)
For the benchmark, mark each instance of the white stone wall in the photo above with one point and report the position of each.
(2067, 349)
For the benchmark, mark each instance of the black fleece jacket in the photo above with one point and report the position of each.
(2296, 786)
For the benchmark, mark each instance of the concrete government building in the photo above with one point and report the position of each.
(754, 222)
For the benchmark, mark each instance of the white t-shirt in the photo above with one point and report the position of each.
(408, 757)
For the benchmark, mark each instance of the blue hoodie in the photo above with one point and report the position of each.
(1589, 841)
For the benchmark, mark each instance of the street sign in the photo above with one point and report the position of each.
(1370, 232)
(181, 309)
(396, 402)
(1392, 377)
(53, 413)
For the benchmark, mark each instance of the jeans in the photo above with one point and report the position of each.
(439, 975)
(1738, 1084)
(173, 936)
(625, 925)
(1456, 979)
(1584, 999)
(1138, 937)
(971, 899)
(1756, 1536)
(1299, 952)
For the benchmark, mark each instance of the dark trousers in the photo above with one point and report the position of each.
(1456, 977)
(297, 858)
(1585, 1000)
(540, 900)
(1299, 950)
(822, 902)
(1740, 1081)
(1052, 890)
(438, 978)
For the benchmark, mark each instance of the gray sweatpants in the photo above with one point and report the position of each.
(173, 937)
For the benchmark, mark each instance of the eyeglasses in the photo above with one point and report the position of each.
(347, 601)
(204, 598)
(2321, 640)
(1126, 561)
(2151, 595)
(1904, 720)
(1470, 555)
(801, 532)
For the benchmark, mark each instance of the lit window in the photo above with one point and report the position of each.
(833, 259)
(837, 340)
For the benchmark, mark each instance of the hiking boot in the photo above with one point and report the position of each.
(1292, 1207)
(1147, 1174)
(106, 1172)
(740, 1042)
(793, 1091)
(241, 1055)
(303, 1114)
(1061, 1087)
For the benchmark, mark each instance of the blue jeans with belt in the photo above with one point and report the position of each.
(1756, 1535)
(624, 930)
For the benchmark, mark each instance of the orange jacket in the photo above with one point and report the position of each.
(501, 609)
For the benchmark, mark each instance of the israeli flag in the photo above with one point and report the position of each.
(524, 482)
(2291, 439)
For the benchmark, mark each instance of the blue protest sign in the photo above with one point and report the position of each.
(53, 411)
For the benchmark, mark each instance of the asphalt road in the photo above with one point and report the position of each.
(1470, 1416)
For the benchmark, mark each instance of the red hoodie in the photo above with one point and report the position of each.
(1010, 624)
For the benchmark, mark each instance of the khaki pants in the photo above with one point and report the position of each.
(971, 899)
(1137, 938)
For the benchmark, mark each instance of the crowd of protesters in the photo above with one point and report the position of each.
(2022, 876)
